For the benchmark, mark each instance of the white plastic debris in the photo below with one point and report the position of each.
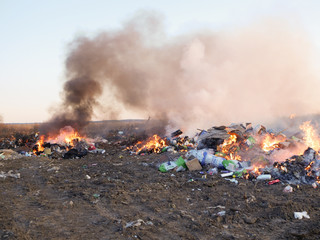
(219, 206)
(222, 213)
(300, 215)
(232, 180)
(9, 174)
(264, 177)
(288, 189)
(56, 168)
(88, 177)
(227, 174)
(137, 223)
(206, 157)
(102, 151)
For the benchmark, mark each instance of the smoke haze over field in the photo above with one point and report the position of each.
(256, 73)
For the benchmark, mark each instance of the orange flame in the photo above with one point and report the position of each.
(271, 142)
(256, 170)
(311, 137)
(67, 136)
(39, 144)
(308, 168)
(230, 147)
(155, 145)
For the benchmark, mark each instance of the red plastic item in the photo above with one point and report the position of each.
(91, 147)
(273, 181)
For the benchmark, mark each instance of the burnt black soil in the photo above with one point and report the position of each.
(54, 199)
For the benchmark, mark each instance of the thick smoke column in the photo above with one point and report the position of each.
(194, 81)
(79, 99)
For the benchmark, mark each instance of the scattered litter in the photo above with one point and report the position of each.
(96, 195)
(207, 157)
(274, 182)
(193, 165)
(264, 177)
(53, 169)
(117, 164)
(213, 171)
(101, 151)
(288, 189)
(165, 167)
(219, 206)
(138, 223)
(300, 215)
(87, 177)
(229, 174)
(9, 174)
(222, 213)
(232, 180)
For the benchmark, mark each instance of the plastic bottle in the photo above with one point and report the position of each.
(207, 157)
(264, 177)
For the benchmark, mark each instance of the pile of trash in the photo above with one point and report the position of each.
(235, 151)
(17, 140)
(303, 169)
(241, 151)
(156, 144)
(78, 149)
(68, 145)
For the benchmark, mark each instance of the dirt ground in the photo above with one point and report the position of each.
(54, 199)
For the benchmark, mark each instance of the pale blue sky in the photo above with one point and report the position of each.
(35, 35)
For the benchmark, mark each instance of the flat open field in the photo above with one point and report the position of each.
(127, 197)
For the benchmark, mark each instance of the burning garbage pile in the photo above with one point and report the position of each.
(68, 144)
(299, 169)
(156, 144)
(242, 151)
